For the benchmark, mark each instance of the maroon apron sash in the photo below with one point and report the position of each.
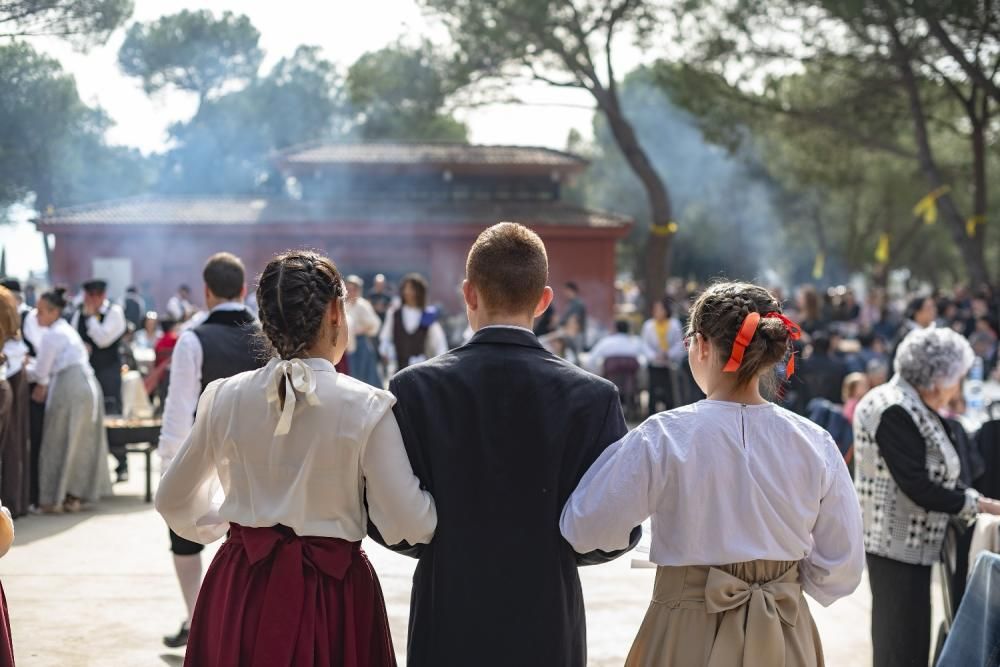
(291, 556)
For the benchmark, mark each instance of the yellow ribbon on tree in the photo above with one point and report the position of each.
(819, 265)
(926, 208)
(668, 229)
(882, 250)
(972, 223)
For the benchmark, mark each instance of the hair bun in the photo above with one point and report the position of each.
(719, 314)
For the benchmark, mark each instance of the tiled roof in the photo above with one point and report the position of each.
(434, 154)
(256, 211)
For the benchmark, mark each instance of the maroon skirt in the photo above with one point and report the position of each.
(272, 598)
(6, 644)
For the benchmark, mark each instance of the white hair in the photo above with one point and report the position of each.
(934, 357)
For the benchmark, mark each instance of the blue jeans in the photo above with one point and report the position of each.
(974, 640)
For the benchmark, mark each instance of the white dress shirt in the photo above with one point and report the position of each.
(184, 389)
(307, 465)
(31, 330)
(179, 308)
(106, 333)
(615, 345)
(16, 352)
(437, 343)
(59, 348)
(361, 321)
(727, 483)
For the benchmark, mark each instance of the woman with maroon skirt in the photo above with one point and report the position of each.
(284, 459)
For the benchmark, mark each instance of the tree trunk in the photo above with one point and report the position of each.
(658, 247)
(970, 249)
(979, 197)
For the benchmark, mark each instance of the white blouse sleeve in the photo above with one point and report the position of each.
(51, 344)
(833, 569)
(618, 493)
(437, 343)
(368, 321)
(396, 503)
(386, 347)
(186, 497)
(106, 333)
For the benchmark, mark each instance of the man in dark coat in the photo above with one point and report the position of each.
(501, 431)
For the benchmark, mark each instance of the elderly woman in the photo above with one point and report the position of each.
(906, 474)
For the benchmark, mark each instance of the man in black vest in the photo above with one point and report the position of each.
(223, 345)
(501, 431)
(101, 324)
(135, 307)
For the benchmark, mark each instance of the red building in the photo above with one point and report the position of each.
(373, 208)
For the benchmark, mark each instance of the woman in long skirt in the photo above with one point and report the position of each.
(300, 455)
(751, 505)
(6, 524)
(73, 461)
(14, 444)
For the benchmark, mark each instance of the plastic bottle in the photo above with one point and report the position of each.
(974, 387)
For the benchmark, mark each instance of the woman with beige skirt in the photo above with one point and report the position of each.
(73, 465)
(751, 505)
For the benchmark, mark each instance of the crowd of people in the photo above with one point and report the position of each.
(482, 445)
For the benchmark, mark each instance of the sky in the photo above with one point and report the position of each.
(344, 29)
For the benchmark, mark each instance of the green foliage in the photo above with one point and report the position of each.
(225, 148)
(82, 22)
(193, 51)
(396, 93)
(859, 109)
(723, 204)
(401, 93)
(51, 144)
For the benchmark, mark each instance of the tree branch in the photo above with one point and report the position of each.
(974, 73)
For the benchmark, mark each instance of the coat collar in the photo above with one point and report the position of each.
(505, 336)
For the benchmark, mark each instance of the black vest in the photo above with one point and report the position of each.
(408, 345)
(101, 358)
(228, 343)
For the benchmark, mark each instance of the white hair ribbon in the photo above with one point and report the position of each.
(298, 377)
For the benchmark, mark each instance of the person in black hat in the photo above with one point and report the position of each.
(101, 324)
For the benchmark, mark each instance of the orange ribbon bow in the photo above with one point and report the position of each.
(743, 338)
(794, 333)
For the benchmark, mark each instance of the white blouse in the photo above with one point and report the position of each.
(59, 348)
(726, 483)
(307, 464)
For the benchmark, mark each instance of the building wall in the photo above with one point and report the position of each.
(166, 258)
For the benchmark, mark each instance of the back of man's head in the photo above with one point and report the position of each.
(224, 276)
(509, 268)
(622, 326)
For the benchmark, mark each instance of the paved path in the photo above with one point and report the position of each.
(98, 589)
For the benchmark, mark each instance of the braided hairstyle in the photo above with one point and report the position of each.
(718, 315)
(293, 294)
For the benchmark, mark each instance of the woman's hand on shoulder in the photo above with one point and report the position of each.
(989, 506)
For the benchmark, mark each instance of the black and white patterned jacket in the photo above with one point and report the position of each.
(895, 526)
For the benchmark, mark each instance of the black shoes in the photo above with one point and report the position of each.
(180, 639)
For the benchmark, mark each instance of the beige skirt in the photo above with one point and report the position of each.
(742, 615)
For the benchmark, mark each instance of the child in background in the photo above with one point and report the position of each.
(855, 387)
